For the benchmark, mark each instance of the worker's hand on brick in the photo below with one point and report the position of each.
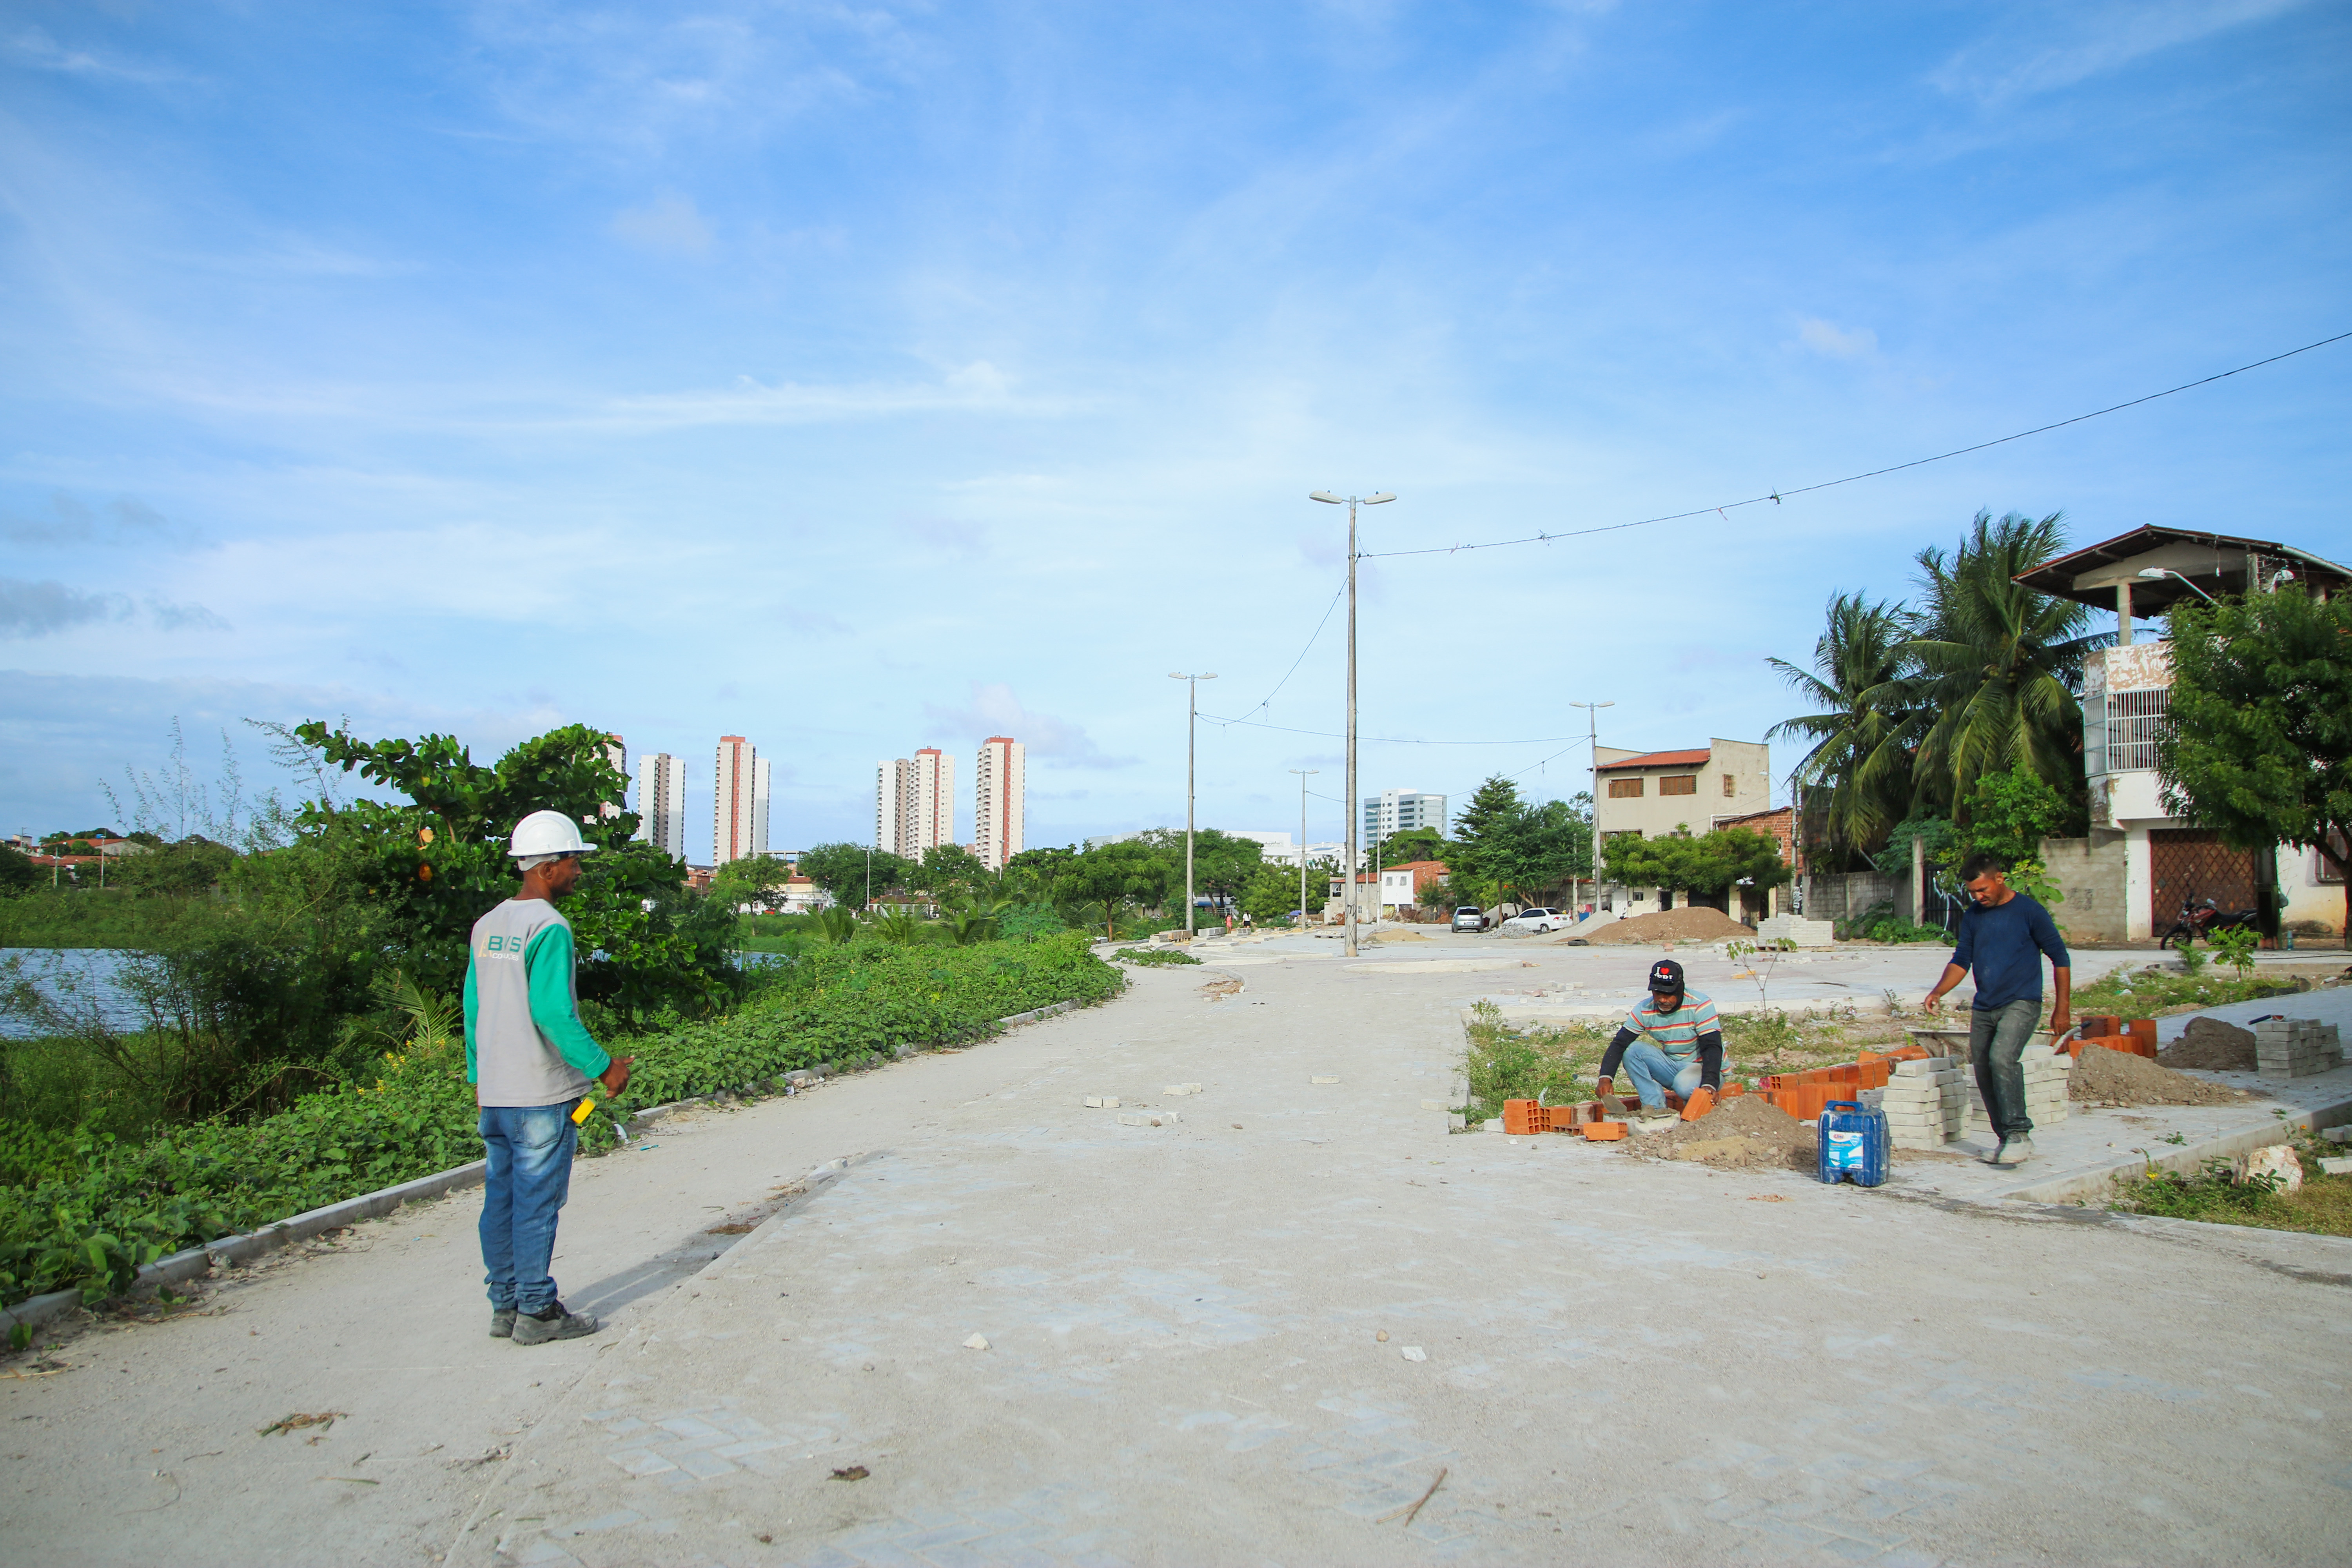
(616, 1078)
(1603, 1089)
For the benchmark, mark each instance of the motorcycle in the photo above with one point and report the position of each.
(2203, 920)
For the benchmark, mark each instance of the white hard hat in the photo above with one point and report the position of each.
(547, 833)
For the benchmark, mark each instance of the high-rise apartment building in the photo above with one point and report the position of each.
(661, 802)
(742, 827)
(999, 787)
(891, 782)
(914, 803)
(617, 752)
(1395, 811)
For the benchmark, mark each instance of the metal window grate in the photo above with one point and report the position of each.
(2133, 721)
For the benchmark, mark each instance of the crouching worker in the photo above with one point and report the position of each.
(531, 1061)
(1670, 1043)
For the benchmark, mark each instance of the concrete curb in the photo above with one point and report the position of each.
(196, 1262)
(2186, 1158)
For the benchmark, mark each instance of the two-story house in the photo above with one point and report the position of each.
(2127, 881)
(1657, 793)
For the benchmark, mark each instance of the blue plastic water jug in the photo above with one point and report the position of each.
(1854, 1145)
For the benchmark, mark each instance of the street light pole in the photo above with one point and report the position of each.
(1303, 774)
(1191, 728)
(1592, 736)
(1354, 872)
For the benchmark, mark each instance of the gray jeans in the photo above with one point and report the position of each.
(1996, 1035)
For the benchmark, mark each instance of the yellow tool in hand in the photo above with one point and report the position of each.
(586, 1110)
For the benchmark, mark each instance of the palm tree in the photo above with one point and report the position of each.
(1867, 723)
(1998, 665)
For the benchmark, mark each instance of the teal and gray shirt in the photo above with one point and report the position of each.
(524, 1042)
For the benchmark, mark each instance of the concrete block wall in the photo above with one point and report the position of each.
(2091, 873)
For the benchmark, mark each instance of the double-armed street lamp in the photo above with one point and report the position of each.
(1191, 725)
(1351, 503)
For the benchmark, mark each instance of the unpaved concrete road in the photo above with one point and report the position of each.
(1618, 1359)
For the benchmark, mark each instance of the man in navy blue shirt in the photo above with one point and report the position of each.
(2004, 937)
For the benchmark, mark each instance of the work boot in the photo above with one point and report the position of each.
(2013, 1151)
(502, 1322)
(554, 1324)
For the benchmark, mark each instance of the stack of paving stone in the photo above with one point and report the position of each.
(2045, 1091)
(2297, 1048)
(1922, 1100)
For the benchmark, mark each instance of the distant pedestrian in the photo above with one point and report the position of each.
(531, 1061)
(2004, 936)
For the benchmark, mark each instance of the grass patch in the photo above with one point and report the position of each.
(2143, 992)
(1554, 1065)
(1154, 957)
(2323, 1207)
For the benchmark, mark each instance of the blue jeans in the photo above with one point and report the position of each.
(1996, 1035)
(1653, 1072)
(530, 1176)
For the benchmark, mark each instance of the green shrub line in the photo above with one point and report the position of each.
(81, 1209)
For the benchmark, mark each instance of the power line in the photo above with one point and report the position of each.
(1390, 740)
(1295, 663)
(1777, 497)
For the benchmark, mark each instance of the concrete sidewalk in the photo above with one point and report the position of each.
(1186, 1363)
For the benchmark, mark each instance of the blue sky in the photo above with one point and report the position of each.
(857, 377)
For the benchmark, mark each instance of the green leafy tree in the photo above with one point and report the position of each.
(2258, 744)
(1533, 855)
(1711, 863)
(1863, 727)
(436, 863)
(1493, 807)
(840, 869)
(17, 871)
(754, 880)
(1222, 865)
(952, 869)
(1413, 844)
(1271, 895)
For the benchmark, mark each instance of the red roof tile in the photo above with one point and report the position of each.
(1661, 759)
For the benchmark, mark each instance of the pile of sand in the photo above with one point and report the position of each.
(1740, 1133)
(2102, 1077)
(1668, 925)
(2211, 1044)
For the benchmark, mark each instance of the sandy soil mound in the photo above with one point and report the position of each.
(1741, 1132)
(2211, 1044)
(2102, 1077)
(1386, 937)
(1669, 925)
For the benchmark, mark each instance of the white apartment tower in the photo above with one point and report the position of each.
(741, 828)
(892, 780)
(914, 804)
(999, 787)
(1395, 811)
(661, 802)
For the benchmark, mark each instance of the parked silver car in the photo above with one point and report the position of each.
(1469, 916)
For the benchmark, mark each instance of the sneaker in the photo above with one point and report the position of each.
(502, 1322)
(555, 1324)
(2013, 1151)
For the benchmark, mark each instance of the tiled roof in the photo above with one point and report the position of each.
(1661, 760)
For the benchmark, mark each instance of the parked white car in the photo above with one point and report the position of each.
(1539, 920)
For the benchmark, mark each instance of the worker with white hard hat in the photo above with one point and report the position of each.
(531, 1061)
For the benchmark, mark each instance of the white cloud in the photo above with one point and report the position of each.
(1838, 342)
(668, 223)
(35, 48)
(994, 711)
(2081, 43)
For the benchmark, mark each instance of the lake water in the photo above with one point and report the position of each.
(77, 976)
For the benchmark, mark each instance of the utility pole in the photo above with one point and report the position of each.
(1354, 872)
(1592, 736)
(1192, 730)
(1303, 774)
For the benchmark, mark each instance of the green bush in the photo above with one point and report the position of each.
(1154, 957)
(89, 1210)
